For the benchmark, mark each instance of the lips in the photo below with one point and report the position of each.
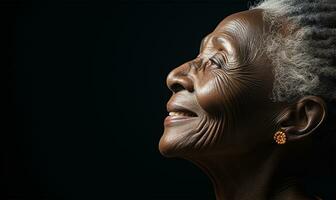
(178, 114)
(185, 113)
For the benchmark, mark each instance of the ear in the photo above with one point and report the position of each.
(303, 117)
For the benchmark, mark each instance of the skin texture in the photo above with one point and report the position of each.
(229, 134)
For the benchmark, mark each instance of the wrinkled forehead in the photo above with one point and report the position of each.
(247, 22)
(238, 31)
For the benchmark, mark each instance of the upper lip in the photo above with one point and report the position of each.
(174, 107)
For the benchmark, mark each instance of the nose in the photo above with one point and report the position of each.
(179, 79)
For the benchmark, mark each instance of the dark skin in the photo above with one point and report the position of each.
(223, 120)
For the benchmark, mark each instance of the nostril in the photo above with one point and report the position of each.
(179, 79)
(176, 87)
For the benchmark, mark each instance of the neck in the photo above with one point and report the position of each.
(250, 177)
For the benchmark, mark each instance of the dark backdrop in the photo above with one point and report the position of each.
(86, 96)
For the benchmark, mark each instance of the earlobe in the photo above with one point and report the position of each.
(303, 117)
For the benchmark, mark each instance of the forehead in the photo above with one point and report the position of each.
(247, 21)
(237, 30)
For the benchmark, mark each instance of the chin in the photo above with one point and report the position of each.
(166, 150)
(168, 146)
(175, 145)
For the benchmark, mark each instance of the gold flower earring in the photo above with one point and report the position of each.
(280, 137)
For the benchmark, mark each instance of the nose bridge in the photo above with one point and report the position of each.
(179, 79)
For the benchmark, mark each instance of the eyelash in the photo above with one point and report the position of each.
(219, 60)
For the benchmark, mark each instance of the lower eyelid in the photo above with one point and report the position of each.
(220, 59)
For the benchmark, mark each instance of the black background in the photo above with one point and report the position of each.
(86, 96)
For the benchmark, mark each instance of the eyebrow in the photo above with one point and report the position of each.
(205, 39)
(214, 39)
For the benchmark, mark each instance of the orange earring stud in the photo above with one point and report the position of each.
(280, 137)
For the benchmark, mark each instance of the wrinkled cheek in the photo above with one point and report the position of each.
(211, 99)
(220, 99)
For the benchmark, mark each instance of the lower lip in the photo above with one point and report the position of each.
(170, 120)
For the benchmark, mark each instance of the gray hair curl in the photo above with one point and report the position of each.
(304, 58)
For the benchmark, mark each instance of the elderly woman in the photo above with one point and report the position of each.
(256, 108)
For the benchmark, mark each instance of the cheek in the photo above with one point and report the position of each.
(216, 93)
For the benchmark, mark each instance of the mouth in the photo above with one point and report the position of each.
(178, 115)
(184, 113)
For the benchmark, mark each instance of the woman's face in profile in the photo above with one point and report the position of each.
(221, 99)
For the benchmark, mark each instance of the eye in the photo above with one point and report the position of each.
(218, 60)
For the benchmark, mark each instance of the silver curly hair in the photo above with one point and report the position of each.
(304, 57)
